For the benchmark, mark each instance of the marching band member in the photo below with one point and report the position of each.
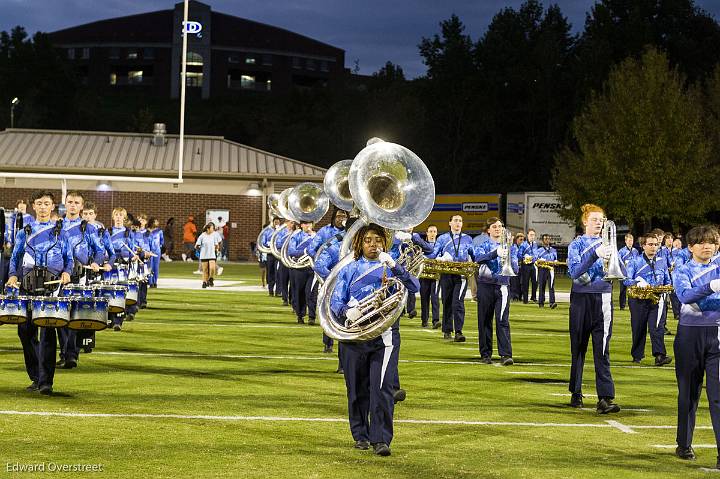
(429, 287)
(272, 262)
(370, 367)
(141, 239)
(677, 259)
(528, 272)
(123, 246)
(493, 295)
(326, 233)
(453, 246)
(157, 240)
(591, 310)
(282, 275)
(325, 262)
(546, 275)
(17, 220)
(86, 250)
(697, 341)
(627, 254)
(515, 289)
(41, 254)
(648, 270)
(665, 247)
(302, 278)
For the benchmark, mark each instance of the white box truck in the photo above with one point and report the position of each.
(539, 210)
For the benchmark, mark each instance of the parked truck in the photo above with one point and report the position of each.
(539, 210)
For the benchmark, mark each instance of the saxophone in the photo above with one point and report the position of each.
(541, 263)
(652, 293)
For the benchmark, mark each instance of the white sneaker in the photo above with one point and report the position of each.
(219, 270)
(167, 258)
(184, 257)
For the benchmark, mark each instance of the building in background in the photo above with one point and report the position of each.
(225, 54)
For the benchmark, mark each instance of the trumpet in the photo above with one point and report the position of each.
(541, 263)
(506, 241)
(612, 267)
(652, 293)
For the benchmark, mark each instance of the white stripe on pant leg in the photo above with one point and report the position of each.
(552, 279)
(314, 280)
(387, 341)
(463, 282)
(661, 306)
(607, 318)
(504, 301)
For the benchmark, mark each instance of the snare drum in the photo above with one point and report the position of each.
(75, 290)
(115, 295)
(89, 314)
(13, 309)
(50, 312)
(132, 293)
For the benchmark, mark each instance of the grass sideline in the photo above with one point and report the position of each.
(238, 359)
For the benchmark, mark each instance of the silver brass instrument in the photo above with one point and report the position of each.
(613, 269)
(307, 202)
(336, 185)
(272, 201)
(506, 241)
(284, 212)
(391, 186)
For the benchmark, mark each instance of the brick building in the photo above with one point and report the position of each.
(217, 175)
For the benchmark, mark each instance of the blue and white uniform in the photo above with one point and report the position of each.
(493, 299)
(546, 276)
(697, 346)
(123, 244)
(528, 272)
(428, 287)
(282, 274)
(157, 241)
(41, 253)
(141, 240)
(326, 260)
(396, 251)
(591, 315)
(271, 264)
(626, 255)
(301, 280)
(644, 315)
(371, 367)
(460, 247)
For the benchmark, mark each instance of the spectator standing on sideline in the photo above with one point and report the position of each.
(226, 239)
(189, 232)
(169, 235)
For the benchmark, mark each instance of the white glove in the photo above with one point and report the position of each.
(353, 314)
(387, 259)
(502, 252)
(641, 283)
(603, 251)
(715, 285)
(528, 257)
(353, 302)
(403, 236)
(445, 257)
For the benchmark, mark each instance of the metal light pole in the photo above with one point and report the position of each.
(13, 104)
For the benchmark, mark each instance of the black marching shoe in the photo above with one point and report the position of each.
(327, 349)
(46, 390)
(32, 388)
(606, 406)
(686, 453)
(130, 317)
(300, 320)
(211, 282)
(412, 314)
(399, 395)
(69, 364)
(362, 445)
(424, 324)
(459, 338)
(553, 305)
(311, 321)
(285, 303)
(637, 360)
(60, 364)
(87, 349)
(340, 371)
(205, 285)
(507, 361)
(576, 400)
(486, 360)
(381, 449)
(662, 360)
(436, 324)
(447, 336)
(117, 327)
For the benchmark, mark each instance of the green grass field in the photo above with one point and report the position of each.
(239, 364)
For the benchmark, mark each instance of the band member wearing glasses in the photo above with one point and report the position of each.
(371, 367)
(591, 311)
(453, 246)
(493, 293)
(697, 341)
(627, 254)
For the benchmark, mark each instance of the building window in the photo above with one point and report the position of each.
(250, 60)
(114, 54)
(267, 60)
(296, 63)
(324, 66)
(113, 78)
(247, 82)
(310, 65)
(85, 53)
(132, 54)
(149, 53)
(194, 59)
(135, 77)
(71, 54)
(194, 79)
(233, 59)
(268, 85)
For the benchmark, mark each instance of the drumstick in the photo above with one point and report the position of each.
(57, 281)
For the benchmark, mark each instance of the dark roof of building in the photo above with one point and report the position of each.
(226, 30)
(133, 154)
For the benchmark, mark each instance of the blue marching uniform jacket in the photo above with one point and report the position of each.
(329, 257)
(298, 243)
(627, 254)
(85, 246)
(459, 245)
(486, 256)
(123, 243)
(280, 238)
(11, 224)
(320, 238)
(655, 273)
(585, 267)
(45, 246)
(265, 236)
(545, 253)
(363, 276)
(526, 249)
(700, 305)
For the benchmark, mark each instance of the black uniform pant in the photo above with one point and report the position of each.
(69, 350)
(39, 354)
(528, 274)
(697, 354)
(493, 300)
(282, 277)
(428, 297)
(675, 302)
(647, 317)
(591, 316)
(546, 278)
(623, 295)
(301, 284)
(515, 292)
(371, 377)
(410, 303)
(271, 271)
(453, 298)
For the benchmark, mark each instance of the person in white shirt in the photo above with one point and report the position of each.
(207, 246)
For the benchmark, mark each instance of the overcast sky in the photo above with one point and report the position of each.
(371, 31)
